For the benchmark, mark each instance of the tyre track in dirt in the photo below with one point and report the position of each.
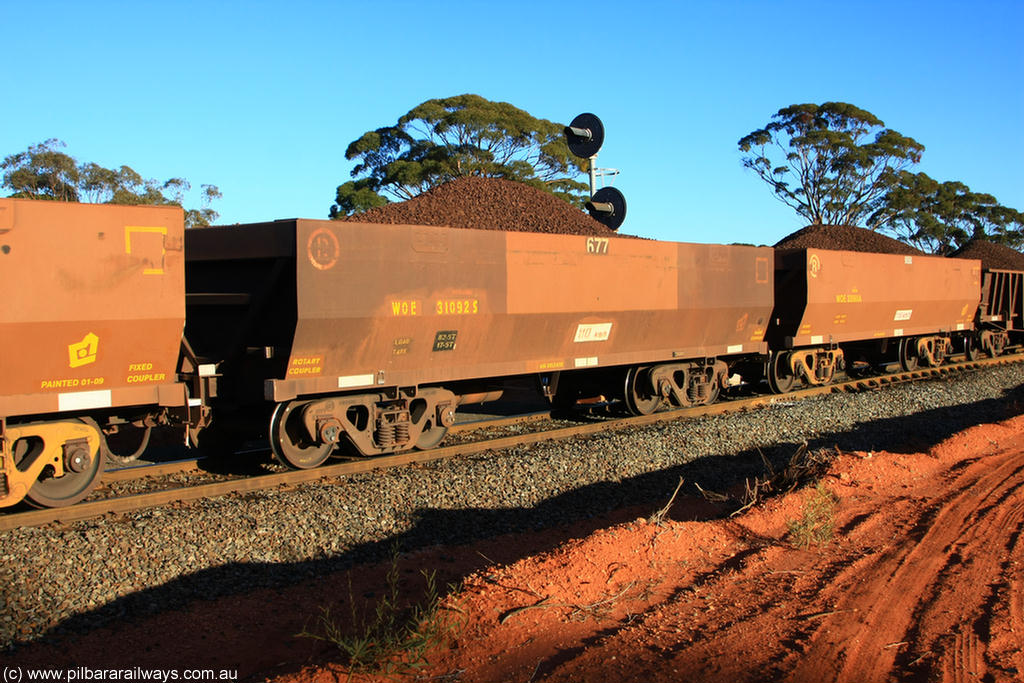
(961, 545)
(919, 607)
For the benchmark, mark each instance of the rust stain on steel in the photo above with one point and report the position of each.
(827, 296)
(550, 274)
(422, 304)
(101, 323)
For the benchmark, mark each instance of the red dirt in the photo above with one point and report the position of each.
(923, 580)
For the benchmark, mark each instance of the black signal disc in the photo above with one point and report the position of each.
(585, 147)
(608, 195)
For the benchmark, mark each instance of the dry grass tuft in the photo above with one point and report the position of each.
(397, 636)
(804, 467)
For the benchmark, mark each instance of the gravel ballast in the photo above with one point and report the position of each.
(59, 580)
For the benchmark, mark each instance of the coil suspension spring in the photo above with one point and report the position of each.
(385, 434)
(401, 432)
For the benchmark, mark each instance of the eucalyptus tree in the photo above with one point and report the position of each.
(44, 171)
(831, 162)
(443, 139)
(940, 217)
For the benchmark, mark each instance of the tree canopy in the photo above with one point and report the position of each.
(832, 162)
(443, 139)
(43, 171)
(837, 164)
(939, 217)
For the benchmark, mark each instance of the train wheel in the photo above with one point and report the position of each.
(970, 348)
(82, 471)
(639, 400)
(908, 354)
(996, 344)
(714, 391)
(431, 436)
(290, 442)
(780, 378)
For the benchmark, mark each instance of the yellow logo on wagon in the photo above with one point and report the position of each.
(83, 352)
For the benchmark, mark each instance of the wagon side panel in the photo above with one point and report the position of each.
(403, 305)
(93, 306)
(853, 296)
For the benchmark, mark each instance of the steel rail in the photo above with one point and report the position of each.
(266, 481)
(134, 472)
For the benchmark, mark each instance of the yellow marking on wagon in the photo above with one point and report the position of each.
(147, 377)
(129, 230)
(405, 307)
(72, 383)
(457, 306)
(59, 383)
(552, 365)
(401, 346)
(305, 365)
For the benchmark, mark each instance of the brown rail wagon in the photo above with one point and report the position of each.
(1001, 313)
(371, 335)
(90, 334)
(830, 304)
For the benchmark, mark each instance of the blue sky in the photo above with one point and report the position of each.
(262, 98)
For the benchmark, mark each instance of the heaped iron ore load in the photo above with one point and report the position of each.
(844, 238)
(488, 204)
(993, 256)
(409, 321)
(91, 341)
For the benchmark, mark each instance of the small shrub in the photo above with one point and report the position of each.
(817, 521)
(396, 637)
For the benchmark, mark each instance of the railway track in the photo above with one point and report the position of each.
(130, 503)
(190, 465)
